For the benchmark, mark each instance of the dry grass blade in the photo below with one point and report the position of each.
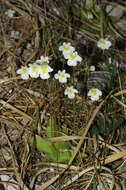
(116, 31)
(15, 8)
(121, 92)
(65, 138)
(12, 184)
(7, 170)
(35, 176)
(13, 123)
(37, 94)
(15, 165)
(106, 176)
(7, 105)
(89, 183)
(113, 148)
(48, 183)
(119, 102)
(114, 157)
(8, 80)
(58, 165)
(84, 172)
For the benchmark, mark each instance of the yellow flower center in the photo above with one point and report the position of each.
(103, 43)
(24, 71)
(44, 69)
(62, 76)
(93, 92)
(34, 69)
(70, 91)
(66, 49)
(72, 57)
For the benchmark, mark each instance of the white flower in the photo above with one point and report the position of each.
(70, 92)
(33, 70)
(94, 94)
(23, 71)
(10, 13)
(73, 59)
(44, 71)
(66, 49)
(104, 44)
(62, 76)
(43, 59)
(92, 68)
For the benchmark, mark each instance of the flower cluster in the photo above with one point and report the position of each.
(70, 54)
(40, 69)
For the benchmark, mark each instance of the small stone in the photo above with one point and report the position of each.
(121, 25)
(114, 11)
(15, 34)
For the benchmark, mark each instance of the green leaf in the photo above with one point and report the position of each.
(55, 151)
(94, 186)
(62, 157)
(52, 128)
(42, 145)
(35, 121)
(50, 149)
(62, 145)
(52, 131)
